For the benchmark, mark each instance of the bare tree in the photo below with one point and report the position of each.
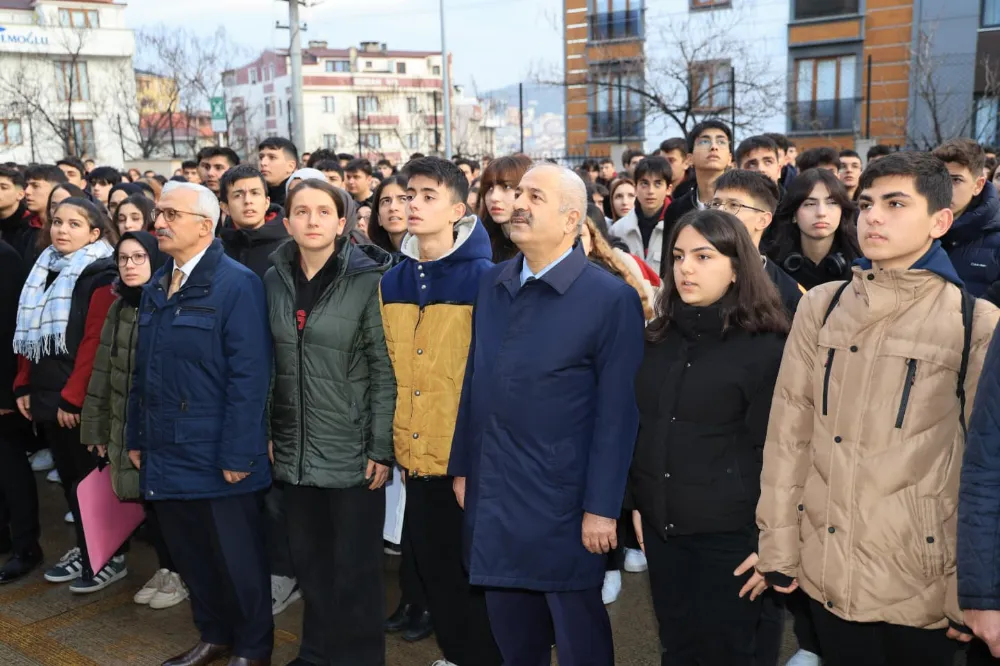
(704, 67)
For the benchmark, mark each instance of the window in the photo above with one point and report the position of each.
(271, 68)
(267, 73)
(338, 66)
(71, 81)
(253, 75)
(328, 105)
(436, 70)
(824, 94)
(368, 64)
(810, 9)
(615, 19)
(411, 105)
(79, 18)
(81, 138)
(367, 105)
(371, 141)
(608, 117)
(228, 81)
(330, 141)
(711, 85)
(991, 14)
(10, 132)
(401, 68)
(412, 141)
(269, 111)
(709, 4)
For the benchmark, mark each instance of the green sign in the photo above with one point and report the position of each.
(218, 113)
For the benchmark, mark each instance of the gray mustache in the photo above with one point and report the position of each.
(164, 233)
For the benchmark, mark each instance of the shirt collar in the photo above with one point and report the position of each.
(189, 267)
(526, 273)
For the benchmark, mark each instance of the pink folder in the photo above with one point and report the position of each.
(107, 521)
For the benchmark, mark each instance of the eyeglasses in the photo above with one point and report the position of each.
(733, 207)
(170, 214)
(138, 259)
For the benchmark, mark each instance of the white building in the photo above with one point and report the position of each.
(66, 80)
(365, 100)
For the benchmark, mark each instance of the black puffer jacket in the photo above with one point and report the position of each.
(253, 248)
(704, 397)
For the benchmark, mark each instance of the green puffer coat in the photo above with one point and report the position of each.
(103, 420)
(333, 391)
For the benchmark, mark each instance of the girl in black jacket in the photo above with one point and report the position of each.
(813, 234)
(704, 394)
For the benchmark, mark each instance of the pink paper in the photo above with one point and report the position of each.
(107, 521)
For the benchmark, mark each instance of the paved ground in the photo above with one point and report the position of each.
(42, 624)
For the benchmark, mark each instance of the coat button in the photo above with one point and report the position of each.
(416, 392)
(416, 436)
(670, 526)
(251, 463)
(420, 352)
(688, 365)
(831, 530)
(930, 539)
(838, 439)
(854, 348)
(801, 507)
(673, 418)
(729, 470)
(421, 275)
(871, 276)
(829, 604)
(420, 267)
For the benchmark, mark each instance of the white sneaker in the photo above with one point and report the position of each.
(171, 593)
(143, 596)
(69, 517)
(284, 592)
(635, 560)
(53, 477)
(41, 461)
(443, 662)
(804, 658)
(612, 587)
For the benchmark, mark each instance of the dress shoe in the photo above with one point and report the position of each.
(244, 661)
(419, 627)
(201, 654)
(401, 618)
(20, 565)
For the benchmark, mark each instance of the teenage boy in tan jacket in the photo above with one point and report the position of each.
(864, 448)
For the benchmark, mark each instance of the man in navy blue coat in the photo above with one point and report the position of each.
(545, 430)
(197, 430)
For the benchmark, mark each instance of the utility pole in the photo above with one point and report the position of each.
(447, 87)
(295, 56)
(520, 111)
(437, 132)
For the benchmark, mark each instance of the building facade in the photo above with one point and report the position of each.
(366, 100)
(66, 80)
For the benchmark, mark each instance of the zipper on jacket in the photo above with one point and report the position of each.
(128, 388)
(302, 410)
(911, 377)
(826, 378)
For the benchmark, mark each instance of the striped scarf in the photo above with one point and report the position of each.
(43, 310)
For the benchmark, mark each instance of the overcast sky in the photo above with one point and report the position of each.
(494, 42)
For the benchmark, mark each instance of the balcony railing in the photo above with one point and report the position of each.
(823, 115)
(627, 124)
(610, 26)
(815, 9)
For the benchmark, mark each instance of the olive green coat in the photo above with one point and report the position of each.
(103, 419)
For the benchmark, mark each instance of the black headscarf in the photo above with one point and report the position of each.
(132, 295)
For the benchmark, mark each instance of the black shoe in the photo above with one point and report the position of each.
(20, 565)
(400, 619)
(419, 627)
(6, 545)
(299, 661)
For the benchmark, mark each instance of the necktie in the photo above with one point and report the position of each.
(175, 282)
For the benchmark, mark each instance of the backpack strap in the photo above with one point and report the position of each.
(968, 307)
(834, 301)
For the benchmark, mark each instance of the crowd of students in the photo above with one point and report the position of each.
(765, 377)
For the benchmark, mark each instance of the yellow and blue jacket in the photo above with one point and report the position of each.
(427, 316)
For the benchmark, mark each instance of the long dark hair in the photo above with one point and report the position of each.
(145, 205)
(752, 302)
(507, 170)
(74, 192)
(376, 232)
(785, 237)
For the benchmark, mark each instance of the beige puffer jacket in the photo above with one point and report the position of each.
(859, 490)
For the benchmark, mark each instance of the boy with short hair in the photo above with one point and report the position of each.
(760, 153)
(973, 241)
(101, 180)
(74, 170)
(850, 171)
(278, 158)
(642, 229)
(607, 172)
(753, 197)
(819, 158)
(257, 225)
(333, 171)
(213, 162)
(710, 148)
(675, 152)
(189, 171)
(630, 160)
(426, 313)
(358, 181)
(862, 461)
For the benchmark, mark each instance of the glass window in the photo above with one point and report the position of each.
(10, 132)
(824, 94)
(71, 81)
(401, 68)
(436, 71)
(330, 141)
(412, 142)
(367, 105)
(411, 105)
(372, 141)
(810, 9)
(82, 138)
(328, 105)
(710, 85)
(991, 13)
(79, 18)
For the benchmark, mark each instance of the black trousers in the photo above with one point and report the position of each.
(879, 643)
(458, 611)
(154, 533)
(73, 462)
(17, 482)
(218, 547)
(411, 587)
(276, 529)
(702, 620)
(336, 544)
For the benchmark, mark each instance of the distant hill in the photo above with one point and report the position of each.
(546, 99)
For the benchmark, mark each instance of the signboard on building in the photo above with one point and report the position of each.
(218, 114)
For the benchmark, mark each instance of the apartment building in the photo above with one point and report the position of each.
(66, 80)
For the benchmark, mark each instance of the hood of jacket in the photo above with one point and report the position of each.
(351, 259)
(934, 260)
(471, 242)
(981, 217)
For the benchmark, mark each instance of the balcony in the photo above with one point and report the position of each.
(627, 124)
(615, 26)
(823, 115)
(376, 120)
(823, 9)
